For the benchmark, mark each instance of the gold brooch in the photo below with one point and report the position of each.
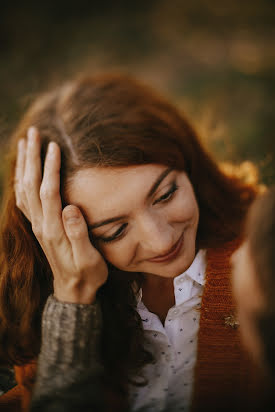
(231, 321)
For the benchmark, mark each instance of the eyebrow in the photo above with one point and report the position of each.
(158, 181)
(150, 193)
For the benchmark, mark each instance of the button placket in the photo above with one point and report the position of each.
(173, 345)
(171, 354)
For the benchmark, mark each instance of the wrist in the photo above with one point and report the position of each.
(86, 294)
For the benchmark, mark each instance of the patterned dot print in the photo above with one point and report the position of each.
(173, 345)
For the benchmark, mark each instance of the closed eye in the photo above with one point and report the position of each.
(168, 195)
(115, 236)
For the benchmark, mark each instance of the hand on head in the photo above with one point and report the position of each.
(78, 268)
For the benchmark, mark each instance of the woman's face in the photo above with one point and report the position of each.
(142, 218)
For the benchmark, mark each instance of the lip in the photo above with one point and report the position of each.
(170, 255)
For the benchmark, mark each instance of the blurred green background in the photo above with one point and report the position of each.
(214, 58)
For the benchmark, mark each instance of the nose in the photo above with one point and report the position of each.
(155, 235)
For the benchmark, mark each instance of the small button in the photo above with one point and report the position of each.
(179, 281)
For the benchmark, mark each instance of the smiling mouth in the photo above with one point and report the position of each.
(171, 254)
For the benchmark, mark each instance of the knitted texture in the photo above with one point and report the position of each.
(69, 375)
(222, 368)
(70, 340)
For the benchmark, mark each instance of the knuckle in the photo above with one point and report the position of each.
(20, 194)
(27, 183)
(76, 233)
(19, 198)
(36, 228)
(19, 203)
(48, 234)
(47, 192)
(51, 234)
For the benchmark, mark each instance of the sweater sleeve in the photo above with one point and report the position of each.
(69, 375)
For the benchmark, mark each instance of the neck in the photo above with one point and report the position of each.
(155, 281)
(158, 295)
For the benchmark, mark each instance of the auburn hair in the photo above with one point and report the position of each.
(105, 121)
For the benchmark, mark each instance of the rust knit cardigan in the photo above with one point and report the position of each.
(224, 378)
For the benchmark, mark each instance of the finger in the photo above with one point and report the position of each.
(50, 192)
(21, 201)
(32, 176)
(76, 229)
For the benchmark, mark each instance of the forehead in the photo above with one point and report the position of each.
(105, 179)
(108, 189)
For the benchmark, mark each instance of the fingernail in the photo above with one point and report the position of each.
(51, 148)
(71, 214)
(31, 134)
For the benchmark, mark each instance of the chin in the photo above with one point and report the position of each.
(180, 265)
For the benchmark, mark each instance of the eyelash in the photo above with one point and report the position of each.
(163, 199)
(167, 196)
(115, 235)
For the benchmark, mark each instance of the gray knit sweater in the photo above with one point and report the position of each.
(69, 375)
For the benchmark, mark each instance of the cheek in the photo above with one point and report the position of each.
(118, 254)
(185, 208)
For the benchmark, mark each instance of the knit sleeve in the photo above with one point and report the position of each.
(69, 355)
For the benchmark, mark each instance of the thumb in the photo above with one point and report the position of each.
(77, 233)
(91, 269)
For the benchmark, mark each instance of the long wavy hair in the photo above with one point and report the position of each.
(105, 121)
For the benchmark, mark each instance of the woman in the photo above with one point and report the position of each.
(253, 281)
(154, 222)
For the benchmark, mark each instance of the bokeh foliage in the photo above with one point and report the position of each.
(215, 58)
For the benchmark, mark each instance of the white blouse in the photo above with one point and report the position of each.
(174, 346)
